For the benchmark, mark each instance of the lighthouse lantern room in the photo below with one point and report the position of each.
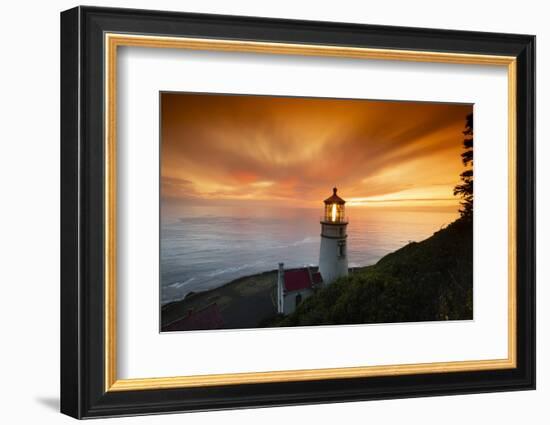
(333, 260)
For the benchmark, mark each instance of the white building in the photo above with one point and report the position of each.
(333, 258)
(294, 286)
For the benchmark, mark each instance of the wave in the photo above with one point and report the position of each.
(233, 269)
(304, 241)
(177, 285)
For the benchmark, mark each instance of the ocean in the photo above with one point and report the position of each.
(203, 247)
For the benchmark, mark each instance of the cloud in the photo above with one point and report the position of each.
(277, 148)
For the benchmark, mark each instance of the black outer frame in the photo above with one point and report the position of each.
(82, 219)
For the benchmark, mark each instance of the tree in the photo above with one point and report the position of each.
(466, 189)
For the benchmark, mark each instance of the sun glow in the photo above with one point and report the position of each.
(284, 151)
(333, 212)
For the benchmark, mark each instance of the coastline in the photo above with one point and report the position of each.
(431, 280)
(242, 303)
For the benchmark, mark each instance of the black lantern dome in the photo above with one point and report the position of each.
(334, 209)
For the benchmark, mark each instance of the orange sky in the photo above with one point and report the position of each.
(228, 148)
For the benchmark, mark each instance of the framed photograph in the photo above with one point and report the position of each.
(261, 212)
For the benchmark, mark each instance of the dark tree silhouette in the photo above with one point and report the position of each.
(466, 189)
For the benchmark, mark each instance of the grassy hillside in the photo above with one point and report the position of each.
(428, 280)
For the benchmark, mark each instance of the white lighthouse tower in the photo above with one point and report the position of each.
(333, 258)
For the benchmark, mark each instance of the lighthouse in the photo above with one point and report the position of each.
(333, 259)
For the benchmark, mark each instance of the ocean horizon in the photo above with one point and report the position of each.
(205, 247)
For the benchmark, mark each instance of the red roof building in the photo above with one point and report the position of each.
(295, 285)
(297, 279)
(317, 278)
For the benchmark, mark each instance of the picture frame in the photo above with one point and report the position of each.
(90, 40)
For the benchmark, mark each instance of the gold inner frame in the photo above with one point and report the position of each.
(113, 41)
